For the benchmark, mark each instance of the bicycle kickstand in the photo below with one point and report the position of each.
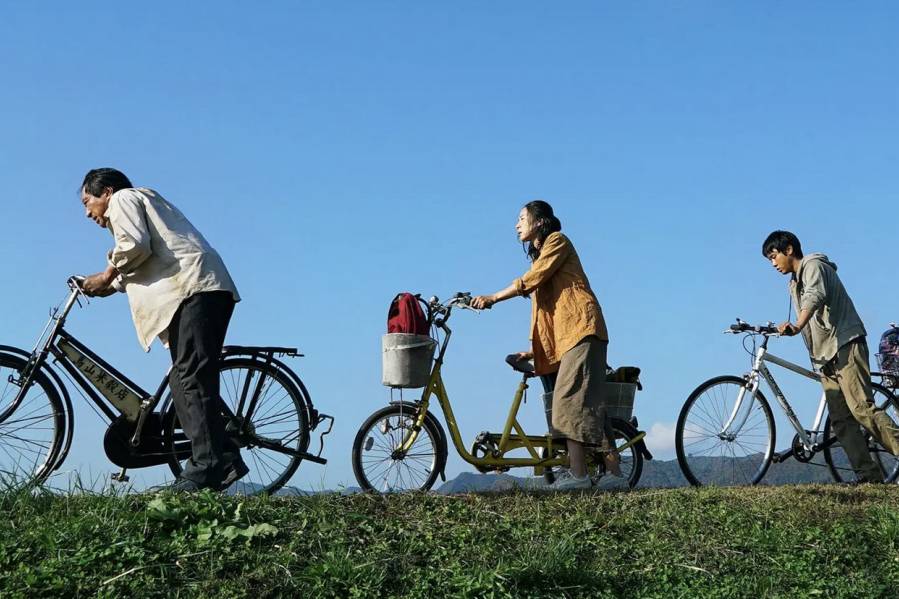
(120, 477)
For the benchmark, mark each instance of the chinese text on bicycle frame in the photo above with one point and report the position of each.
(112, 389)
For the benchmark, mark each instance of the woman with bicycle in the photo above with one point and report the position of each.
(568, 337)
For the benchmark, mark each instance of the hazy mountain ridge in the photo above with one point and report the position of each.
(656, 474)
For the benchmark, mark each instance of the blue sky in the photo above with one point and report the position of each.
(337, 153)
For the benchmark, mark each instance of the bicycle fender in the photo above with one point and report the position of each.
(633, 432)
(63, 393)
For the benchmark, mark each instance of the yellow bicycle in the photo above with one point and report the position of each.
(403, 447)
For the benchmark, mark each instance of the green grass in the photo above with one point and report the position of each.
(787, 542)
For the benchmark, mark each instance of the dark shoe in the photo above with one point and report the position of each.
(233, 473)
(181, 485)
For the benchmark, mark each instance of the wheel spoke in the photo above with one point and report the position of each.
(709, 454)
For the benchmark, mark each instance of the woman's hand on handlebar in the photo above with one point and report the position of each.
(483, 302)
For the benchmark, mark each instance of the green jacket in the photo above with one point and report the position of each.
(834, 323)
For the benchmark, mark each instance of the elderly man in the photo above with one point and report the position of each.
(180, 291)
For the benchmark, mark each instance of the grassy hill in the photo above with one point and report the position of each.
(800, 541)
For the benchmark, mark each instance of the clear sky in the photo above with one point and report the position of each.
(337, 153)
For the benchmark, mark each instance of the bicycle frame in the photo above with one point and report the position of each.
(112, 392)
(760, 371)
(117, 397)
(513, 436)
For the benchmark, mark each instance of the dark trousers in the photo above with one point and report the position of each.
(196, 336)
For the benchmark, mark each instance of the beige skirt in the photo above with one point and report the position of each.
(578, 409)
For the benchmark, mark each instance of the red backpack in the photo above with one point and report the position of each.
(406, 316)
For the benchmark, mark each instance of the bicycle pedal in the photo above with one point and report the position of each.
(782, 456)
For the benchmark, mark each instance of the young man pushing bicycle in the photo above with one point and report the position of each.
(180, 291)
(835, 337)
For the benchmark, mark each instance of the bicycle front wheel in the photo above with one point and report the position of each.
(711, 453)
(378, 461)
(836, 458)
(269, 437)
(31, 434)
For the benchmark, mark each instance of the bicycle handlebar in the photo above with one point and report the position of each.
(75, 283)
(460, 300)
(768, 330)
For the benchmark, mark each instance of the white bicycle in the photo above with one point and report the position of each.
(725, 433)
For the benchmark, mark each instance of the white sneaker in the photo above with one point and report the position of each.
(568, 481)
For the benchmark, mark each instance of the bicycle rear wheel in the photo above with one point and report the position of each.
(631, 462)
(31, 434)
(836, 458)
(269, 438)
(710, 455)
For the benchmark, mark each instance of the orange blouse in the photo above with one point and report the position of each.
(564, 309)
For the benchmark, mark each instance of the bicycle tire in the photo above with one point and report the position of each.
(374, 466)
(271, 466)
(725, 467)
(835, 457)
(31, 436)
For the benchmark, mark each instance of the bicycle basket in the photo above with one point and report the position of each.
(618, 399)
(406, 360)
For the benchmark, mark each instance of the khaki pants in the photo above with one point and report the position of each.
(847, 387)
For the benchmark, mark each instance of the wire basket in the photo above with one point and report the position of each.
(618, 399)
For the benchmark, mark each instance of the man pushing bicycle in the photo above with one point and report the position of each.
(835, 337)
(180, 291)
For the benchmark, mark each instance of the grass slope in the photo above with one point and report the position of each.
(753, 542)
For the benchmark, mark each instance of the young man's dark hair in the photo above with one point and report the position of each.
(98, 179)
(780, 240)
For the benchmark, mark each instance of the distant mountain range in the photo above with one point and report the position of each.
(656, 474)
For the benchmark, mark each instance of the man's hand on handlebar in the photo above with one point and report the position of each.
(99, 284)
(788, 329)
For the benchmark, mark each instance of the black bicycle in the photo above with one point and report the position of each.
(267, 409)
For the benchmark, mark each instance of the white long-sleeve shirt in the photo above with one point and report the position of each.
(162, 260)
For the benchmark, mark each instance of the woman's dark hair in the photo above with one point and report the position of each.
(545, 222)
(780, 240)
(98, 179)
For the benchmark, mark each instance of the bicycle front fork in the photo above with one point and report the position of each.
(729, 432)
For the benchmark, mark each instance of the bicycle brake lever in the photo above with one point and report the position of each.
(75, 284)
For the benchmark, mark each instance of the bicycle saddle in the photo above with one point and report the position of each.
(524, 366)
